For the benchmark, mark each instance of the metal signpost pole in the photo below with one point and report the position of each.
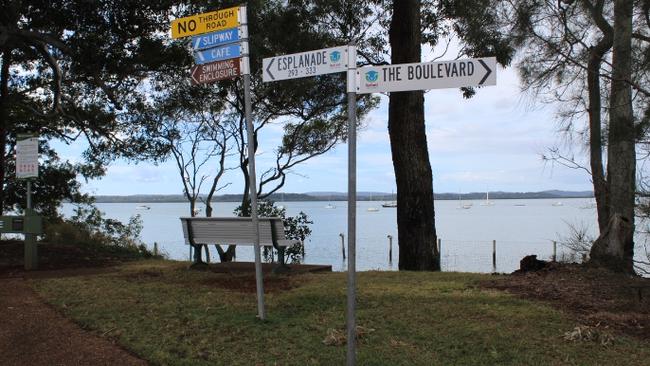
(251, 172)
(352, 204)
(31, 248)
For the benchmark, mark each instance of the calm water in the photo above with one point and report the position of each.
(520, 227)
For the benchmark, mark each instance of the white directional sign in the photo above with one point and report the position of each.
(26, 157)
(304, 64)
(429, 75)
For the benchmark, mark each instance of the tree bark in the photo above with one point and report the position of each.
(615, 247)
(595, 131)
(406, 127)
(4, 123)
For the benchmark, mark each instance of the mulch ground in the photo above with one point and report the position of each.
(32, 332)
(596, 297)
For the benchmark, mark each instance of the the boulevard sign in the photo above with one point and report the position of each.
(219, 53)
(215, 71)
(220, 38)
(424, 76)
(304, 64)
(206, 22)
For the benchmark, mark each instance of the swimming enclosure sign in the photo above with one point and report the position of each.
(428, 75)
(304, 64)
(206, 22)
(215, 71)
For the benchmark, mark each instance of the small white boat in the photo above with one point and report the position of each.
(558, 203)
(487, 200)
(330, 206)
(142, 207)
(389, 204)
(373, 209)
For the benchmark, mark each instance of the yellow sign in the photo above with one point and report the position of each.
(205, 23)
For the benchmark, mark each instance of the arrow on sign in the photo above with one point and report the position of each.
(427, 75)
(305, 64)
(489, 71)
(268, 69)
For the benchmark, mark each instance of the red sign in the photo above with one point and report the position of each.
(215, 71)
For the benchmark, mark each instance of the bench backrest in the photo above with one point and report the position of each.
(231, 230)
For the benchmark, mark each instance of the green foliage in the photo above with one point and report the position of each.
(295, 228)
(58, 181)
(88, 227)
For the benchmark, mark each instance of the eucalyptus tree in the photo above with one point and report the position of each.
(71, 70)
(592, 57)
(394, 32)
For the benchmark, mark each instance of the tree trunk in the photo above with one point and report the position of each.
(595, 131)
(615, 247)
(406, 127)
(4, 123)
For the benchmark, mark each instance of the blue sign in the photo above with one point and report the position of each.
(372, 76)
(217, 53)
(335, 56)
(215, 39)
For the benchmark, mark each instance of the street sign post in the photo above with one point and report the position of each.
(220, 53)
(27, 168)
(428, 75)
(352, 206)
(215, 71)
(223, 54)
(305, 64)
(220, 38)
(206, 22)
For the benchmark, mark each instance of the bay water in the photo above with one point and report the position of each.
(468, 230)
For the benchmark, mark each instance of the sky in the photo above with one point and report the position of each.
(491, 142)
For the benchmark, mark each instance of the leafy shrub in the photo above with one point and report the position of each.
(88, 227)
(295, 228)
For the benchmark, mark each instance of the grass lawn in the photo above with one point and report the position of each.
(168, 315)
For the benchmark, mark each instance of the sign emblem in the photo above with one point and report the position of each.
(335, 56)
(372, 76)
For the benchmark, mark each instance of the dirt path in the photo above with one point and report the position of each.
(32, 333)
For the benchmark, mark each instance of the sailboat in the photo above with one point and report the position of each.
(462, 205)
(487, 200)
(391, 204)
(329, 204)
(372, 209)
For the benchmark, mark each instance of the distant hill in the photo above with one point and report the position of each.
(342, 196)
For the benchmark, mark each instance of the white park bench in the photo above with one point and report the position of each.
(236, 231)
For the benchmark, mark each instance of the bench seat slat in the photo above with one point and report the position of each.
(234, 230)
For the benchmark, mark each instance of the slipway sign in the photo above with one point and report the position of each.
(220, 38)
(425, 76)
(304, 64)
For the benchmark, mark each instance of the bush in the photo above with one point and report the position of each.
(295, 228)
(89, 228)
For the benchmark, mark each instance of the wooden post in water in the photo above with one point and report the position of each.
(440, 252)
(494, 256)
(554, 251)
(342, 245)
(390, 249)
